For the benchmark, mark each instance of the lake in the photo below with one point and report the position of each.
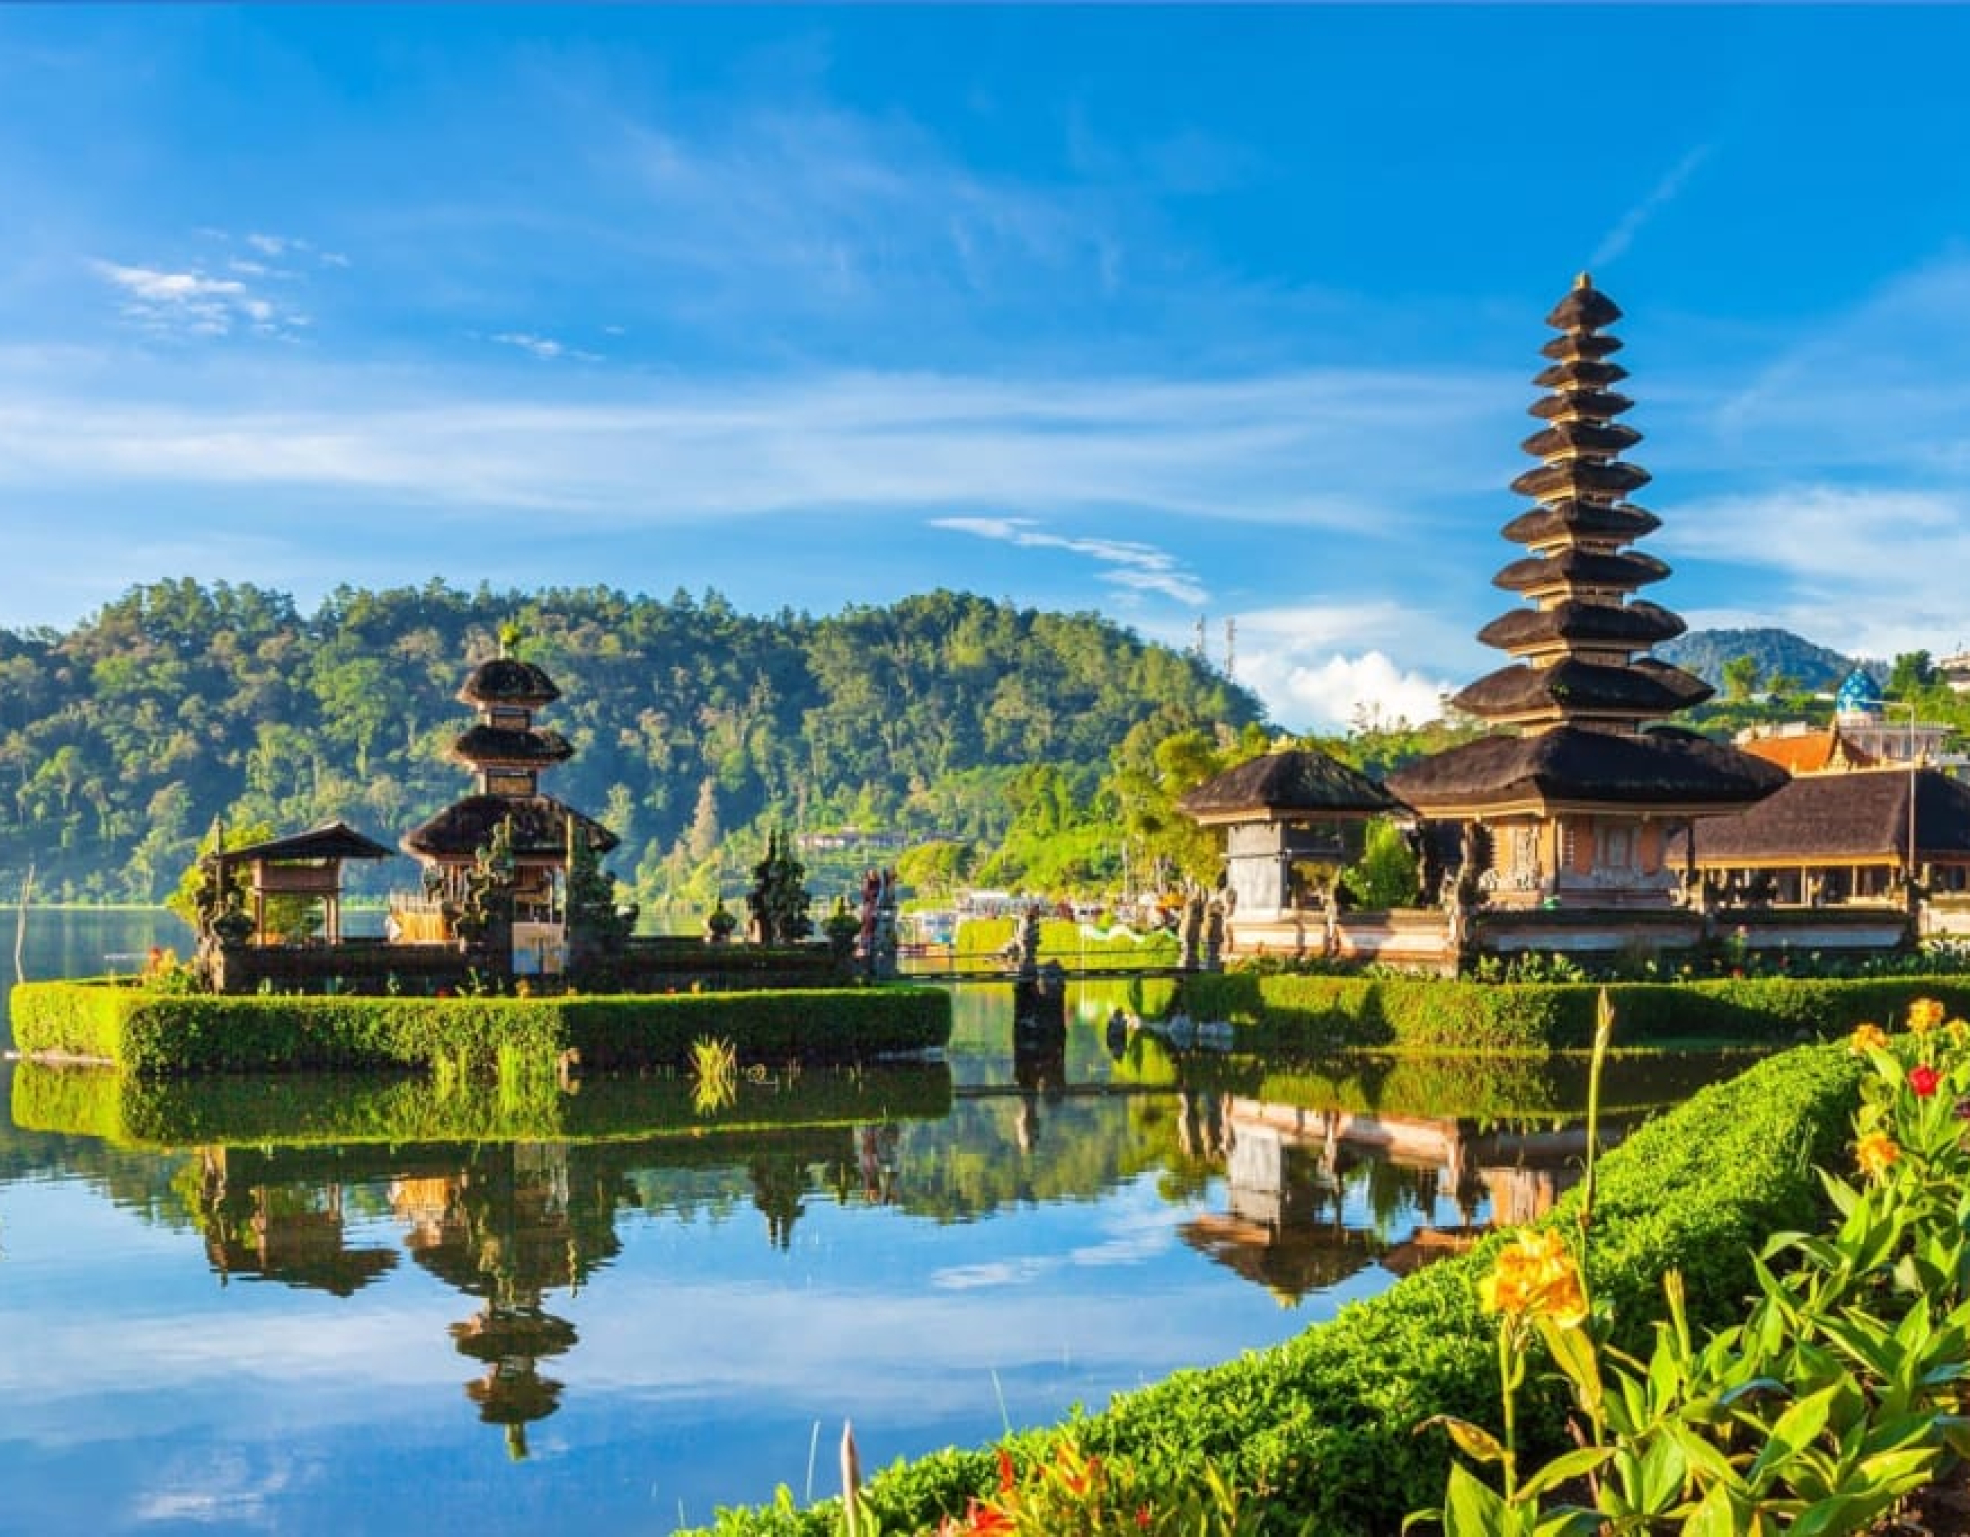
(361, 1304)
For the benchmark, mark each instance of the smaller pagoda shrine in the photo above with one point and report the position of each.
(1573, 803)
(497, 862)
(1292, 820)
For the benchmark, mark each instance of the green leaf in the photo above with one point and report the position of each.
(1473, 1509)
(1473, 1440)
(1574, 1464)
(1796, 1430)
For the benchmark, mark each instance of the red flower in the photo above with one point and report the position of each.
(1005, 1471)
(1923, 1079)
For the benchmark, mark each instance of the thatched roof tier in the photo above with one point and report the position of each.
(1663, 769)
(506, 680)
(1580, 568)
(540, 829)
(1634, 626)
(1575, 688)
(1574, 379)
(1295, 782)
(1859, 817)
(522, 749)
(1585, 308)
(1581, 435)
(1581, 478)
(332, 840)
(1567, 521)
(1580, 347)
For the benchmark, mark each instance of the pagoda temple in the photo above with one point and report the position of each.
(1573, 802)
(509, 823)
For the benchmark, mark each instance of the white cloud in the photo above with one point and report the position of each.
(193, 303)
(546, 348)
(1128, 564)
(1338, 691)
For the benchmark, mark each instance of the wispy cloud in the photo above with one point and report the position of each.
(1617, 240)
(190, 300)
(1126, 563)
(546, 348)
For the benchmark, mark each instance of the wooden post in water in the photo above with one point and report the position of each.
(20, 925)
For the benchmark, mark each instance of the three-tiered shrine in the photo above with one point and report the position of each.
(531, 837)
(1575, 800)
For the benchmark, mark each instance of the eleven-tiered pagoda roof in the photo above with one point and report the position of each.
(1581, 688)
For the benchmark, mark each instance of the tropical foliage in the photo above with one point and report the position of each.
(696, 728)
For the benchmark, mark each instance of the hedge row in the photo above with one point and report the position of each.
(1321, 1013)
(298, 1110)
(1065, 940)
(1324, 1425)
(159, 1034)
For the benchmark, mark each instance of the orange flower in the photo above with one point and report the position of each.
(1866, 1038)
(1875, 1152)
(1924, 1014)
(1536, 1277)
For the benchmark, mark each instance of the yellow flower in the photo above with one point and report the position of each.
(1866, 1038)
(1875, 1152)
(1958, 1031)
(1536, 1277)
(1924, 1014)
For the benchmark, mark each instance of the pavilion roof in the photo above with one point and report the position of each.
(1857, 815)
(1294, 781)
(333, 840)
(1662, 766)
(540, 828)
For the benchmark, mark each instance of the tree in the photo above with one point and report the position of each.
(1385, 875)
(1741, 677)
(1912, 672)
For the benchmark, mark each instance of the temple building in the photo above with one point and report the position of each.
(506, 751)
(1292, 820)
(1573, 803)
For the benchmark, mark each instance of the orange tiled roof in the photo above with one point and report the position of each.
(1809, 752)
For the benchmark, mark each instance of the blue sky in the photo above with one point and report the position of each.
(1168, 313)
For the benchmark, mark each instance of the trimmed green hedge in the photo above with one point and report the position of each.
(1322, 1013)
(159, 1034)
(1324, 1425)
(1061, 939)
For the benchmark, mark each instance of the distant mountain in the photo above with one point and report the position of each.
(1704, 652)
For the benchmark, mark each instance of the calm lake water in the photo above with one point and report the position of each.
(313, 1305)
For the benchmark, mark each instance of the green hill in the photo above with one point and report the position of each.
(1778, 653)
(122, 739)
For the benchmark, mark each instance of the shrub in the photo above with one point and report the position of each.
(1321, 1430)
(157, 1034)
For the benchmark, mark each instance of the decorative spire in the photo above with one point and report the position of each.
(1580, 651)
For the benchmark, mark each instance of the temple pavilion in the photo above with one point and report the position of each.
(1572, 801)
(507, 752)
(1292, 820)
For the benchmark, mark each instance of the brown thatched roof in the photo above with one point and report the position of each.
(332, 840)
(1570, 477)
(507, 680)
(1565, 349)
(1585, 308)
(1660, 767)
(540, 828)
(1550, 521)
(1632, 625)
(493, 744)
(1581, 568)
(1588, 437)
(1577, 374)
(1580, 396)
(1860, 815)
(1643, 688)
(1294, 782)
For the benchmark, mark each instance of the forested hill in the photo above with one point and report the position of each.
(122, 739)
